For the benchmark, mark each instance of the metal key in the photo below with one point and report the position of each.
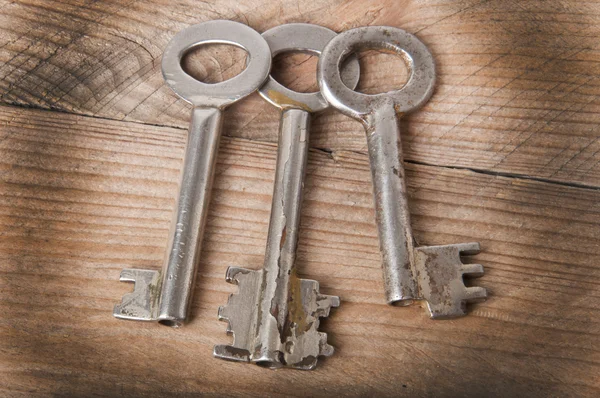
(431, 273)
(274, 317)
(165, 296)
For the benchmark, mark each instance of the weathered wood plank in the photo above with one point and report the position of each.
(82, 198)
(518, 81)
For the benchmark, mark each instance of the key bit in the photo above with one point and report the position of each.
(298, 345)
(274, 317)
(166, 296)
(430, 273)
(142, 303)
(439, 273)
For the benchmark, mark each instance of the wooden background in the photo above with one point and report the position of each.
(507, 152)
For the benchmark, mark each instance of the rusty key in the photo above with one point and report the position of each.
(165, 296)
(431, 273)
(274, 316)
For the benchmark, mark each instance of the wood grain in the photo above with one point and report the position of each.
(518, 81)
(81, 198)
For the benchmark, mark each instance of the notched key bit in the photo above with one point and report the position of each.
(274, 316)
(439, 272)
(166, 296)
(298, 345)
(142, 303)
(430, 273)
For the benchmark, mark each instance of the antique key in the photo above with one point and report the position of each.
(274, 316)
(165, 296)
(431, 273)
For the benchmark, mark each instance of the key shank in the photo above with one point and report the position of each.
(279, 270)
(187, 227)
(391, 206)
(166, 295)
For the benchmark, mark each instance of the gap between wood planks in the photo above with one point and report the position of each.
(331, 152)
(517, 93)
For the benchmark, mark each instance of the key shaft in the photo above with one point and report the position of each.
(187, 228)
(391, 206)
(279, 276)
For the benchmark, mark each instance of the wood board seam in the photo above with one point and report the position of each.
(328, 151)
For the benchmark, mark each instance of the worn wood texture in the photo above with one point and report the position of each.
(81, 198)
(505, 153)
(518, 81)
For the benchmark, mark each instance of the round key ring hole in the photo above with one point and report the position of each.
(214, 63)
(296, 70)
(382, 70)
(380, 47)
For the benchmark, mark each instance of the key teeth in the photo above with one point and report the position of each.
(469, 295)
(223, 317)
(472, 270)
(316, 306)
(231, 275)
(457, 312)
(127, 275)
(475, 294)
(142, 303)
(238, 313)
(468, 249)
(325, 303)
(335, 301)
(440, 277)
(325, 349)
(231, 353)
(220, 315)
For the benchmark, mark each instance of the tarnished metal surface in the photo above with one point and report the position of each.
(274, 316)
(433, 273)
(309, 39)
(165, 296)
(439, 272)
(217, 95)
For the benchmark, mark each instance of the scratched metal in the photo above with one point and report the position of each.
(430, 273)
(165, 296)
(274, 317)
